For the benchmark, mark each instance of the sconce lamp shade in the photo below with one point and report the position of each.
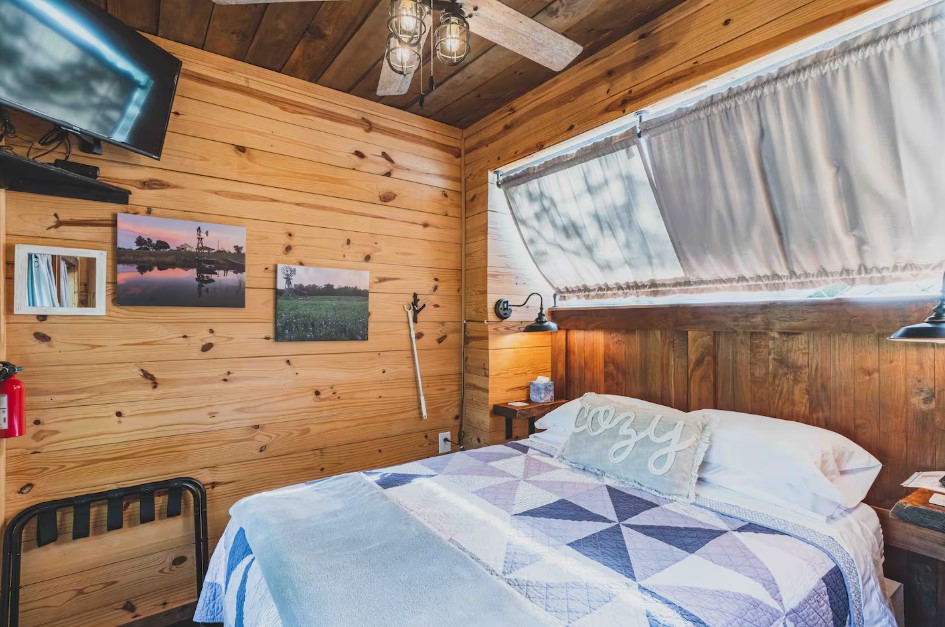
(540, 325)
(922, 332)
(932, 330)
(503, 309)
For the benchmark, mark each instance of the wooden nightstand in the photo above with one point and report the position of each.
(918, 528)
(530, 412)
(910, 537)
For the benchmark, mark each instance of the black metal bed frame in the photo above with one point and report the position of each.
(47, 530)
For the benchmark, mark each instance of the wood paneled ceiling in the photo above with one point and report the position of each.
(340, 44)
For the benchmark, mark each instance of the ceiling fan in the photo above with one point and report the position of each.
(410, 23)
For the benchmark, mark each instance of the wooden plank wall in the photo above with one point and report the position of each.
(827, 364)
(694, 42)
(317, 178)
(500, 361)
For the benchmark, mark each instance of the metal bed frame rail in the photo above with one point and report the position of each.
(47, 529)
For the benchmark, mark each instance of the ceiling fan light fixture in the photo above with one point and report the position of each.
(451, 40)
(407, 21)
(402, 58)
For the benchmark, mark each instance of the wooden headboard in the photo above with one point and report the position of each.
(824, 363)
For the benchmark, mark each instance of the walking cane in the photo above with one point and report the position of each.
(416, 360)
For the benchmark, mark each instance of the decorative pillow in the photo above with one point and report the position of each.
(558, 424)
(657, 451)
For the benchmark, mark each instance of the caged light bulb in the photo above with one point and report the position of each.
(402, 58)
(452, 39)
(406, 20)
(408, 23)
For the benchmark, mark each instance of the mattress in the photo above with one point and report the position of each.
(587, 551)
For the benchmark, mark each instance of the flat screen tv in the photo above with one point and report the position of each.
(70, 62)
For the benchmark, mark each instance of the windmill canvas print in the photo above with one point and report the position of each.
(179, 263)
(321, 304)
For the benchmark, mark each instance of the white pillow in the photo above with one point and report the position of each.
(559, 423)
(553, 440)
(798, 466)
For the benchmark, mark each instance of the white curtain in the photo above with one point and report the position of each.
(67, 294)
(590, 220)
(831, 169)
(41, 282)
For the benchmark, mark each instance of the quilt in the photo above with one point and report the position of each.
(587, 551)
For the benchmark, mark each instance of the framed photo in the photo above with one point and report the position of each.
(179, 263)
(321, 304)
(59, 281)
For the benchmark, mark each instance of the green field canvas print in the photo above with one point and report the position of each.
(321, 304)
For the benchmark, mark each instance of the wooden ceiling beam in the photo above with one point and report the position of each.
(279, 32)
(232, 29)
(595, 31)
(558, 16)
(185, 21)
(360, 55)
(340, 45)
(520, 78)
(142, 15)
(334, 25)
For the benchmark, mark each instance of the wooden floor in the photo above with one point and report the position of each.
(171, 618)
(183, 623)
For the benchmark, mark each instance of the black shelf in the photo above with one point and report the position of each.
(19, 174)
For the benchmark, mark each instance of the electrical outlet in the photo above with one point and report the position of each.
(445, 445)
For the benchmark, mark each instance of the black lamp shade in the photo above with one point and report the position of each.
(922, 332)
(932, 330)
(540, 326)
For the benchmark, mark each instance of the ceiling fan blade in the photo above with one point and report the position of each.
(392, 83)
(521, 34)
(268, 1)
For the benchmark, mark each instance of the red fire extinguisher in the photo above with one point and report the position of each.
(12, 402)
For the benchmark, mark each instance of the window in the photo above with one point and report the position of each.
(595, 205)
(820, 179)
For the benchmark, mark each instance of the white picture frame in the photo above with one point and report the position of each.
(21, 273)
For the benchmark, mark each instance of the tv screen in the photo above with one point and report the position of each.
(73, 64)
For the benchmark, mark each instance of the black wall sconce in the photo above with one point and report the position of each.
(503, 309)
(932, 330)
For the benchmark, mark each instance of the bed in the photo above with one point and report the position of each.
(579, 549)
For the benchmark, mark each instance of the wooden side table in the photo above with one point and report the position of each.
(530, 412)
(916, 526)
